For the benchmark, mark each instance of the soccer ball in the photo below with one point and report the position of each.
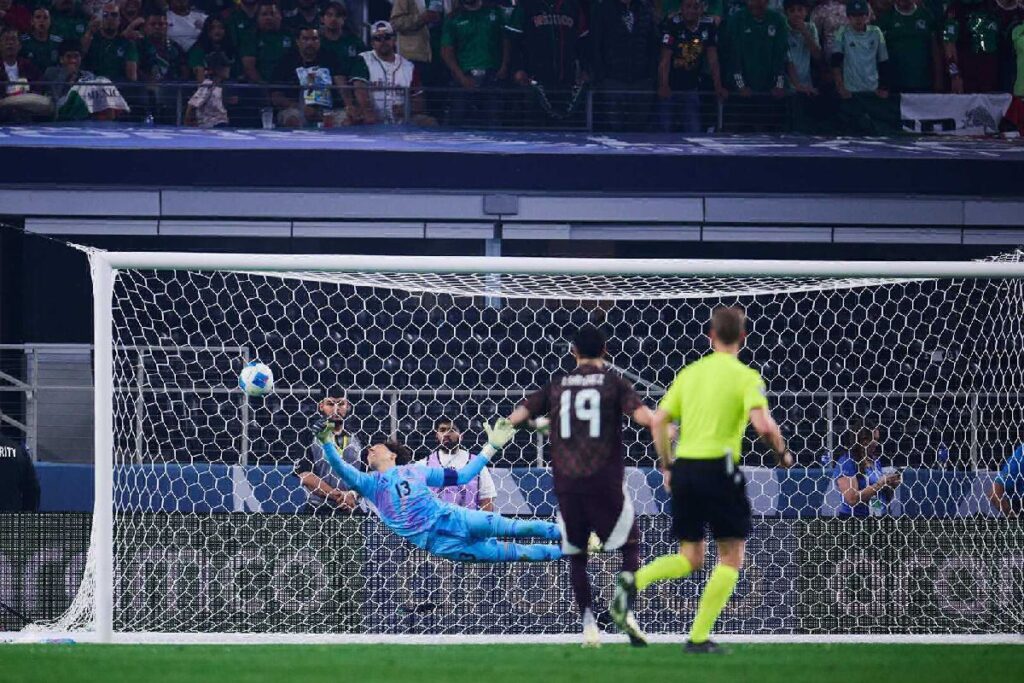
(256, 379)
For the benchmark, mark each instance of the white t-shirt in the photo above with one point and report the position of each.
(460, 459)
(387, 82)
(185, 30)
(12, 71)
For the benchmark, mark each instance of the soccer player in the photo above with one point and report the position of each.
(401, 496)
(585, 409)
(711, 399)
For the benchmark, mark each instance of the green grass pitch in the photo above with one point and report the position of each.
(785, 663)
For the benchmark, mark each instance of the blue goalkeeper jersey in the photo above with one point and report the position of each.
(1011, 475)
(402, 495)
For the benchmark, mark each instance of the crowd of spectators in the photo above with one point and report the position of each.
(650, 65)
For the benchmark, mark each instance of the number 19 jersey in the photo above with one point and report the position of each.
(586, 408)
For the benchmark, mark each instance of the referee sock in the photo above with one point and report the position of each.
(712, 601)
(673, 566)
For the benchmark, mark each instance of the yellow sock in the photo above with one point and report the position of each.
(712, 601)
(673, 566)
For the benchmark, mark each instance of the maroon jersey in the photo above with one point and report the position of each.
(586, 408)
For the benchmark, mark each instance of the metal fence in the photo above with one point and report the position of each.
(489, 106)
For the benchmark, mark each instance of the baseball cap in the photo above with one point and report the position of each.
(856, 7)
(382, 27)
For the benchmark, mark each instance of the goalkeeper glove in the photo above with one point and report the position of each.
(500, 433)
(324, 430)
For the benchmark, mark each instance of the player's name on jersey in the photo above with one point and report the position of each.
(8, 452)
(583, 380)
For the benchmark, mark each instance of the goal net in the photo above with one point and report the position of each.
(206, 521)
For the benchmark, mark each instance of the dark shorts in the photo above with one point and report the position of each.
(709, 493)
(607, 512)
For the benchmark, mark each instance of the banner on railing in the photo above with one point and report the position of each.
(946, 114)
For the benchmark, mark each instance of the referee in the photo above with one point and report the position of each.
(712, 400)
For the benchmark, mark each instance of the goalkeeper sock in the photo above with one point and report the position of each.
(712, 601)
(673, 566)
(580, 581)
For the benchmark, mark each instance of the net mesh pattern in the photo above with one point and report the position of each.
(214, 532)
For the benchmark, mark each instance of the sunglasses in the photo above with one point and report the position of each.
(381, 39)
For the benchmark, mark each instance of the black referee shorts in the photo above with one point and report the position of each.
(709, 493)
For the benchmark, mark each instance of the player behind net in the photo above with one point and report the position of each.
(712, 399)
(401, 496)
(585, 408)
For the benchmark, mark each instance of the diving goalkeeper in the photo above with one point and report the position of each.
(401, 496)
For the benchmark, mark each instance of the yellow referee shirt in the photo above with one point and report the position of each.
(711, 400)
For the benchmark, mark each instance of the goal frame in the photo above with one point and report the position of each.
(104, 267)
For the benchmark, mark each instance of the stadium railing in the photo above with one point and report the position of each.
(533, 107)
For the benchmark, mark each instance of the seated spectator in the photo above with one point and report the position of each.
(214, 38)
(383, 77)
(67, 22)
(15, 16)
(971, 37)
(241, 23)
(624, 38)
(689, 47)
(478, 494)
(305, 13)
(108, 54)
(471, 47)
(262, 51)
(1007, 491)
(184, 24)
(18, 78)
(319, 72)
(66, 73)
(865, 487)
(911, 39)
(160, 60)
(208, 107)
(19, 486)
(132, 19)
(336, 36)
(39, 46)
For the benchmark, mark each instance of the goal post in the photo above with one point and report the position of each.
(839, 343)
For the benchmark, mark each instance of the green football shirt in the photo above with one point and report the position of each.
(908, 40)
(476, 36)
(759, 49)
(107, 57)
(268, 48)
(347, 49)
(42, 53)
(862, 51)
(712, 399)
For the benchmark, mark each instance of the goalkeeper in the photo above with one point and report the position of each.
(401, 496)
